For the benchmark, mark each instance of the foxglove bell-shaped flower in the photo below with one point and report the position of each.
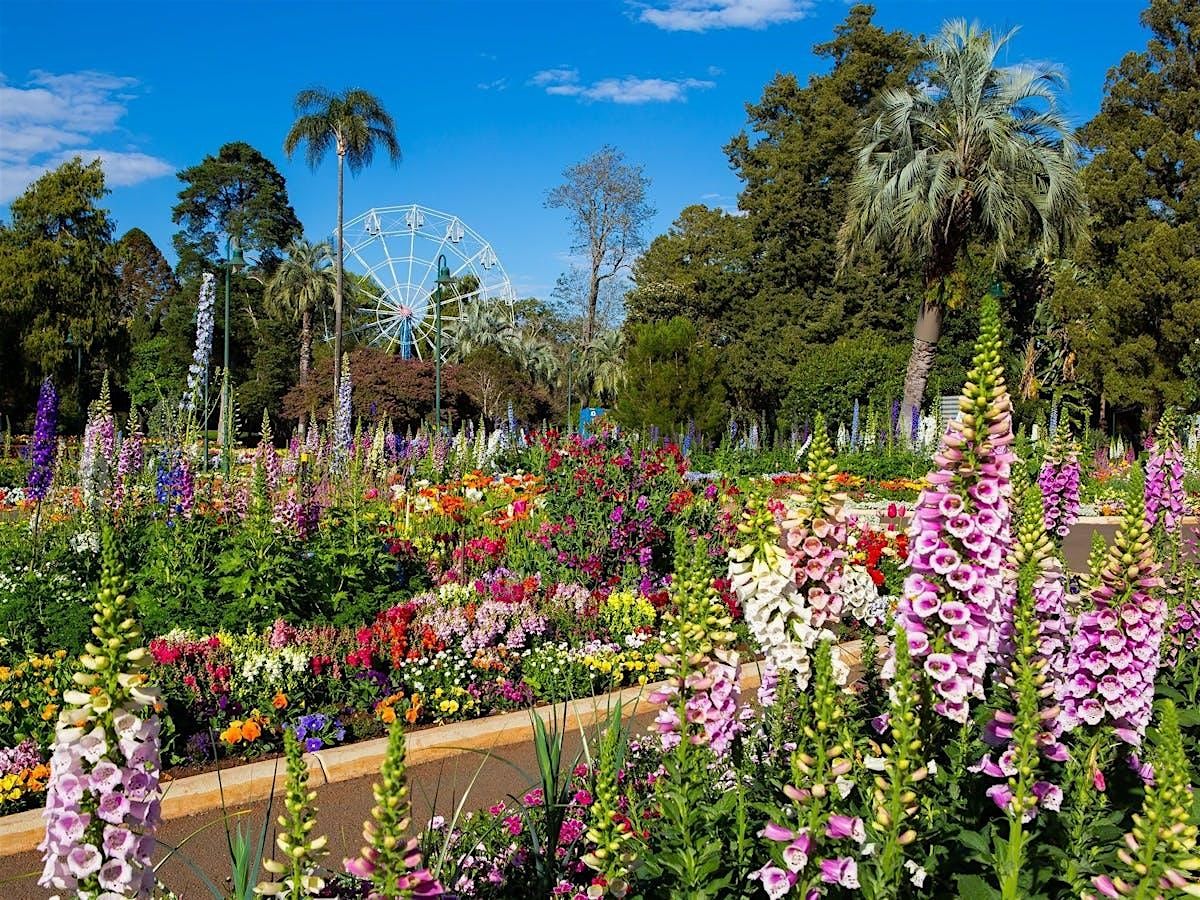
(961, 537)
(1114, 653)
(1059, 483)
(102, 801)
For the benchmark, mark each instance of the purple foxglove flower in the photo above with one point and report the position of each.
(842, 871)
(775, 881)
(840, 826)
(960, 537)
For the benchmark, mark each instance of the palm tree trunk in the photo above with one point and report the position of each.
(305, 357)
(337, 297)
(925, 337)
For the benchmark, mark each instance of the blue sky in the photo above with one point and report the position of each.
(491, 99)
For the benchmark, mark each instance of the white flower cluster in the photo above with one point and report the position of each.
(269, 666)
(777, 615)
(860, 597)
(204, 338)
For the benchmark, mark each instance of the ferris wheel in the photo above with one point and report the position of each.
(392, 256)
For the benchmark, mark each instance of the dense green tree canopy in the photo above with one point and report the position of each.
(762, 285)
(238, 192)
(672, 380)
(60, 308)
(144, 277)
(1131, 308)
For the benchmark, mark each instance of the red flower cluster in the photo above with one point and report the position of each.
(387, 637)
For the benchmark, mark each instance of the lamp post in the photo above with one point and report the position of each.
(570, 372)
(234, 259)
(443, 278)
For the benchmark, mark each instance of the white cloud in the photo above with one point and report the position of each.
(497, 84)
(702, 15)
(564, 82)
(554, 76)
(52, 118)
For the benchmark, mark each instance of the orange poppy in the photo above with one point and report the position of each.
(250, 730)
(280, 700)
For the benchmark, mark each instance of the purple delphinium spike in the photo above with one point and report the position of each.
(45, 443)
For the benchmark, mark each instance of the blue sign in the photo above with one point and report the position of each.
(587, 415)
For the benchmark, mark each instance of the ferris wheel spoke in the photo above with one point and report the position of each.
(394, 308)
(390, 262)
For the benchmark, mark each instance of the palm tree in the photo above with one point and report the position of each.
(973, 153)
(479, 327)
(535, 355)
(604, 363)
(302, 283)
(353, 123)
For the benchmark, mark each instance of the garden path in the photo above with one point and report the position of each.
(436, 788)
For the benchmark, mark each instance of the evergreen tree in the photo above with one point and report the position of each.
(60, 313)
(1131, 309)
(672, 379)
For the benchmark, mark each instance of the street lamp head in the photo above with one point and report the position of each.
(236, 259)
(443, 272)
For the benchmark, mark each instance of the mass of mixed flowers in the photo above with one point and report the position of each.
(943, 709)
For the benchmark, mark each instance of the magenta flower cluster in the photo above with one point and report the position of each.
(1114, 652)
(1164, 482)
(960, 588)
(1059, 483)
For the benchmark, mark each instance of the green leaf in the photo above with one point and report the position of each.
(976, 841)
(973, 887)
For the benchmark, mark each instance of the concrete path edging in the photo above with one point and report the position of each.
(21, 832)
